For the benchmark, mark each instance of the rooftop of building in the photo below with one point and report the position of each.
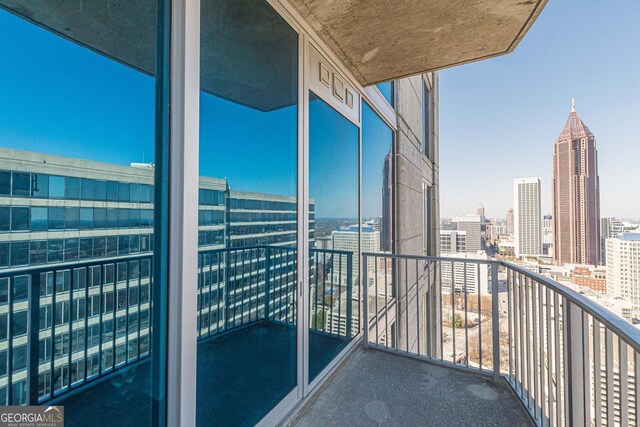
(633, 237)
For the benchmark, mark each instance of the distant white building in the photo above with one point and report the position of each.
(346, 239)
(527, 217)
(623, 270)
(471, 224)
(476, 279)
(453, 241)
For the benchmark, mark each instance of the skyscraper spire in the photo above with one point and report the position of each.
(573, 104)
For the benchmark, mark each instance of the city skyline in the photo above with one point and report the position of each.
(499, 118)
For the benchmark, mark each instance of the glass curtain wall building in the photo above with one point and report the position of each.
(201, 277)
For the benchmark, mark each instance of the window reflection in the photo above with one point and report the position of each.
(73, 123)
(387, 91)
(334, 264)
(247, 212)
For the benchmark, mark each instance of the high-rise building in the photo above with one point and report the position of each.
(576, 194)
(510, 221)
(346, 239)
(480, 212)
(605, 233)
(527, 216)
(623, 270)
(386, 232)
(471, 224)
(453, 241)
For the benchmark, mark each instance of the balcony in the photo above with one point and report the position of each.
(514, 346)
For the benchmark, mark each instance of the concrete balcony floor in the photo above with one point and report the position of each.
(376, 388)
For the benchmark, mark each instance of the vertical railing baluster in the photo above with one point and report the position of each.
(597, 374)
(427, 317)
(534, 348)
(586, 364)
(386, 307)
(349, 319)
(34, 339)
(417, 309)
(465, 291)
(406, 304)
(540, 325)
(453, 310)
(608, 338)
(439, 279)
(375, 297)
(548, 330)
(624, 382)
(495, 320)
(558, 368)
(479, 290)
(267, 282)
(365, 306)
(340, 293)
(517, 318)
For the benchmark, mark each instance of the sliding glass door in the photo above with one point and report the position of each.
(248, 212)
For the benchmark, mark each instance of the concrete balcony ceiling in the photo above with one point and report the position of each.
(381, 40)
(378, 40)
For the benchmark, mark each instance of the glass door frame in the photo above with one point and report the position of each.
(319, 60)
(183, 157)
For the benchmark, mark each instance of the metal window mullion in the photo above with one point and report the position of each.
(182, 226)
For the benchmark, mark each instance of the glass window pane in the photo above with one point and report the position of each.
(87, 189)
(56, 187)
(21, 184)
(86, 218)
(100, 188)
(19, 253)
(72, 188)
(56, 218)
(78, 100)
(249, 78)
(40, 185)
(20, 220)
(333, 189)
(39, 219)
(5, 183)
(377, 180)
(5, 218)
(71, 218)
(38, 252)
(387, 91)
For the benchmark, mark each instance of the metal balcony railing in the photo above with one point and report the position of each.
(570, 361)
(64, 325)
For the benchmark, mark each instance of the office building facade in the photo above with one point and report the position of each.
(527, 216)
(453, 241)
(471, 225)
(623, 270)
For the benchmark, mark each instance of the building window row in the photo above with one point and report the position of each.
(34, 218)
(25, 184)
(35, 252)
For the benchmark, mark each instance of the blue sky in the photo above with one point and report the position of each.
(499, 118)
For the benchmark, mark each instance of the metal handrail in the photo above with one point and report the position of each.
(626, 331)
(569, 359)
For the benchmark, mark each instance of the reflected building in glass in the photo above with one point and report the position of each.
(84, 230)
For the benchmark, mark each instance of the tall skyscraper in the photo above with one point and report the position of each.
(527, 216)
(576, 195)
(510, 221)
(386, 233)
(480, 212)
